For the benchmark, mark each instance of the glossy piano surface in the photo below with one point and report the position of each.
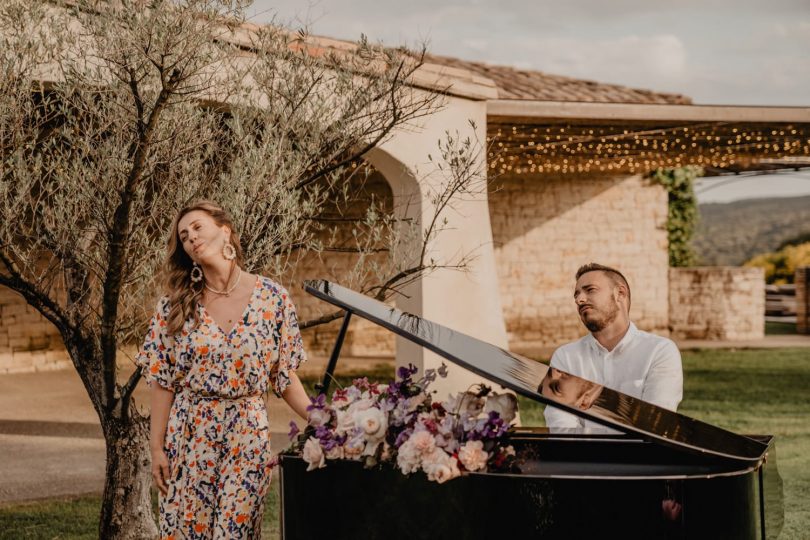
(525, 376)
(573, 485)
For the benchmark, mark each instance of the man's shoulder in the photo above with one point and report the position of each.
(659, 346)
(655, 339)
(569, 350)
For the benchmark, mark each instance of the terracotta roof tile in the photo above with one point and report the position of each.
(515, 83)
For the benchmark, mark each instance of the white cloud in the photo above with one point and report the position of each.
(630, 60)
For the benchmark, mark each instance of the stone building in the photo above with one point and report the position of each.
(567, 170)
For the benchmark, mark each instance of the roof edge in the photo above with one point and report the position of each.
(531, 111)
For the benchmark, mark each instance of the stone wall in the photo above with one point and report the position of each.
(802, 282)
(546, 227)
(364, 339)
(28, 341)
(717, 302)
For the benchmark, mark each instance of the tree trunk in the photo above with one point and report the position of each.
(126, 510)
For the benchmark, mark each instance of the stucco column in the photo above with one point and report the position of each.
(467, 301)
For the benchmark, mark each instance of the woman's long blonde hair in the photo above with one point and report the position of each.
(184, 295)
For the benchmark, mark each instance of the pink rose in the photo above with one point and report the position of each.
(319, 417)
(313, 454)
(423, 442)
(473, 456)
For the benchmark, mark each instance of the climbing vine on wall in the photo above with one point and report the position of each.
(683, 211)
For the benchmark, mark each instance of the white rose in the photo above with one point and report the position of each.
(313, 454)
(360, 405)
(473, 456)
(503, 404)
(408, 458)
(373, 422)
(345, 422)
(319, 417)
(440, 467)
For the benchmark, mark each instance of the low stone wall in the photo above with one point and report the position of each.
(717, 302)
(28, 342)
(802, 282)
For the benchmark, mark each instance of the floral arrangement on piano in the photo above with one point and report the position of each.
(400, 423)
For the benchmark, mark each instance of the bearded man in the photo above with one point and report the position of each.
(615, 353)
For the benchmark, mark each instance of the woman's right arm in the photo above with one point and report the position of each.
(161, 400)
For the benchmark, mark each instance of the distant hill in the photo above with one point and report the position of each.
(732, 233)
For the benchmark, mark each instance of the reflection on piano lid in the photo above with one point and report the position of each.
(536, 381)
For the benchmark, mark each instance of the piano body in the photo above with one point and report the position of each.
(651, 474)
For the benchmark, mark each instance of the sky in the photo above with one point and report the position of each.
(730, 52)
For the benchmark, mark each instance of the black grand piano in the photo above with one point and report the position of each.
(650, 474)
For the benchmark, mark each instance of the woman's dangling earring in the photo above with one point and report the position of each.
(196, 273)
(228, 251)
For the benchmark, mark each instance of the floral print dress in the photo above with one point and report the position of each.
(217, 438)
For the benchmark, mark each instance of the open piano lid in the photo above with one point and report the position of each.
(529, 378)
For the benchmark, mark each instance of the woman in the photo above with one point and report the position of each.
(219, 340)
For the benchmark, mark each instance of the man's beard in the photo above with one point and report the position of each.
(600, 323)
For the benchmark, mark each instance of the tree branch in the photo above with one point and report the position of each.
(321, 320)
(36, 298)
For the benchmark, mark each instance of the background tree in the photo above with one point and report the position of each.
(115, 114)
(780, 266)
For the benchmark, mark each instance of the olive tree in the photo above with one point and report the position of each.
(113, 114)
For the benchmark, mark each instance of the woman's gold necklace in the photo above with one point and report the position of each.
(228, 290)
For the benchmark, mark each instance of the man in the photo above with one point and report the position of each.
(615, 354)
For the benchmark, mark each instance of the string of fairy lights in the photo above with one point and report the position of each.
(558, 148)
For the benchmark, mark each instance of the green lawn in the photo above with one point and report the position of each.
(747, 391)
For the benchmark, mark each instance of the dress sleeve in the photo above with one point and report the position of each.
(156, 358)
(290, 345)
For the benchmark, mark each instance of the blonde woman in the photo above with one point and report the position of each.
(220, 339)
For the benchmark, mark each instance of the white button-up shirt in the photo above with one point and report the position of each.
(641, 365)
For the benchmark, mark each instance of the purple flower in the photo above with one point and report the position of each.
(402, 437)
(322, 432)
(318, 402)
(405, 373)
(293, 430)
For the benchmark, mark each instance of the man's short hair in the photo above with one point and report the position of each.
(615, 276)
